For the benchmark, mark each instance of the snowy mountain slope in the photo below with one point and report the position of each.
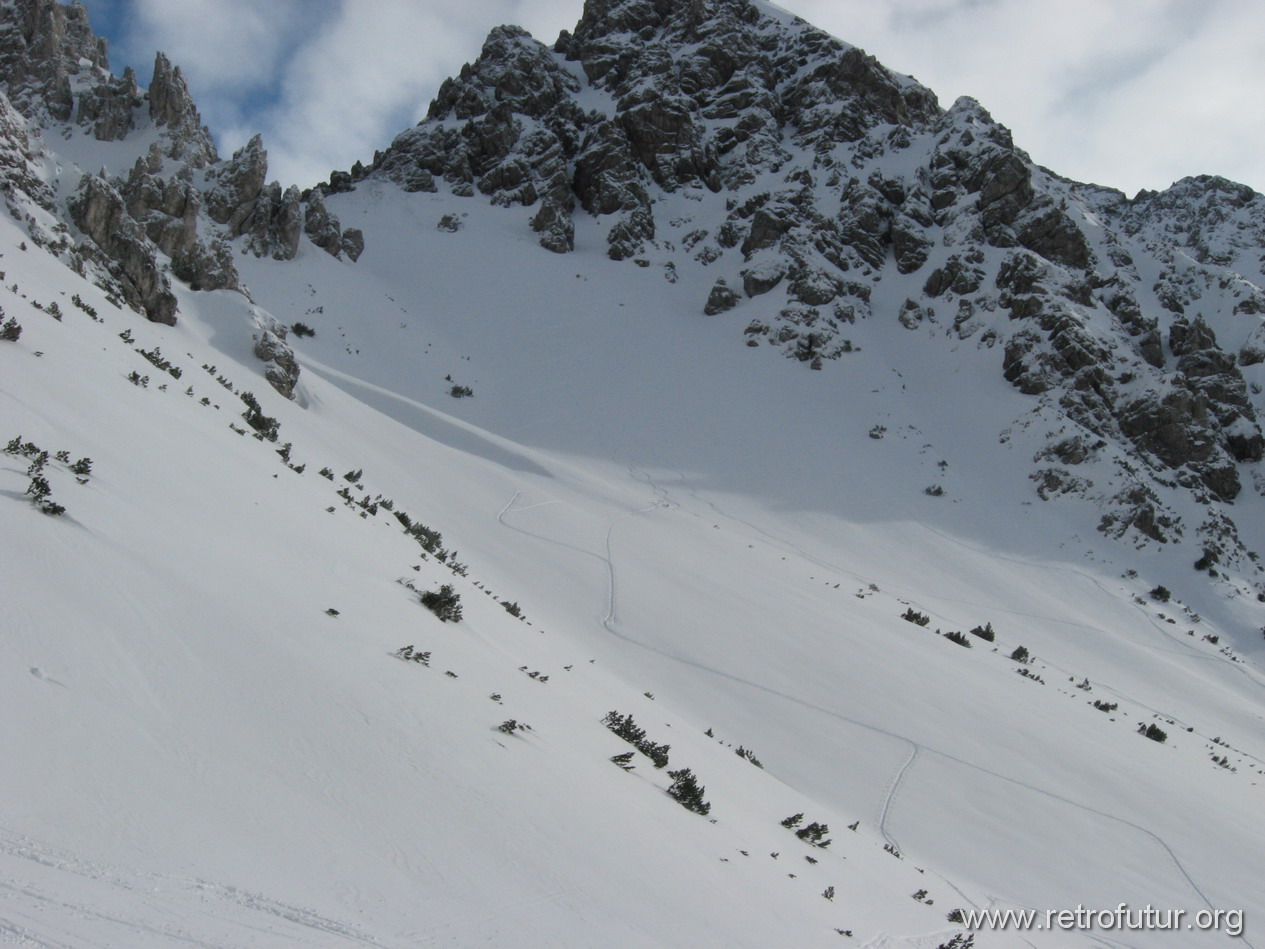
(867, 530)
(197, 726)
(696, 534)
(796, 180)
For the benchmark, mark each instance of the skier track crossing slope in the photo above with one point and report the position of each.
(610, 623)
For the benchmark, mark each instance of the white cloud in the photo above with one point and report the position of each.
(368, 74)
(228, 44)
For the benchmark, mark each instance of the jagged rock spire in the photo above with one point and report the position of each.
(172, 108)
(45, 44)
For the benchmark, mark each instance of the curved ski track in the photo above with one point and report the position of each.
(610, 623)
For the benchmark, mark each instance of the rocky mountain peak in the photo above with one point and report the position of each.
(175, 210)
(171, 107)
(42, 46)
(816, 189)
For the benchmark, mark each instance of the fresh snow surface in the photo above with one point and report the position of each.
(698, 533)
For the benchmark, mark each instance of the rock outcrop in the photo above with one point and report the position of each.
(100, 212)
(45, 44)
(178, 210)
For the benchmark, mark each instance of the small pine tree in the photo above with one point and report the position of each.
(686, 790)
(445, 603)
(813, 834)
(1154, 732)
(1020, 654)
(10, 331)
(38, 489)
(984, 632)
(913, 616)
(625, 728)
(655, 752)
(265, 425)
(790, 823)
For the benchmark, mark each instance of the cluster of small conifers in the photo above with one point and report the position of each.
(39, 490)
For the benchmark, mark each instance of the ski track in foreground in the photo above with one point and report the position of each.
(126, 903)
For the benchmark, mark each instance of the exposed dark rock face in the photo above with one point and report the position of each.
(510, 126)
(236, 185)
(43, 45)
(281, 369)
(110, 107)
(101, 213)
(275, 223)
(171, 108)
(20, 180)
(721, 298)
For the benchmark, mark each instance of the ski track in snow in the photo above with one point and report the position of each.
(610, 623)
(150, 897)
(891, 796)
(1187, 650)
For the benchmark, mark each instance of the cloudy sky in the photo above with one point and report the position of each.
(1128, 93)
